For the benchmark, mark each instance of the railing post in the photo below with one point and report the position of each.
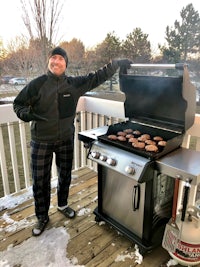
(3, 165)
(76, 146)
(24, 153)
(13, 156)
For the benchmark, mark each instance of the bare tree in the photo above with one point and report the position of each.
(19, 58)
(2, 50)
(41, 18)
(76, 51)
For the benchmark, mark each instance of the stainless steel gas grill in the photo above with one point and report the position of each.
(134, 195)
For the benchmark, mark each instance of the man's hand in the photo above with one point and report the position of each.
(39, 118)
(122, 63)
(28, 115)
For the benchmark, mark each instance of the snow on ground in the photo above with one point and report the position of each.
(47, 250)
(172, 262)
(12, 201)
(136, 256)
(12, 225)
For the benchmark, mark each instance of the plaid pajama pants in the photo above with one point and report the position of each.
(41, 162)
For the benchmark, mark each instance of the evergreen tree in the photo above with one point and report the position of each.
(137, 47)
(183, 39)
(108, 49)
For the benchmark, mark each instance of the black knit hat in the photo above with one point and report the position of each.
(59, 51)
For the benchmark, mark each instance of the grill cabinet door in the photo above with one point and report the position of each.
(120, 197)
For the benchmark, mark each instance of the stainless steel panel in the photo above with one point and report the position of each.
(121, 161)
(93, 134)
(149, 97)
(183, 162)
(117, 200)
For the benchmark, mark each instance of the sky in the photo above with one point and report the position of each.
(47, 255)
(90, 20)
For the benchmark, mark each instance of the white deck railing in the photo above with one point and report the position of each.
(91, 113)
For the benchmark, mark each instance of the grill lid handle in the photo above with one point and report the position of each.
(178, 66)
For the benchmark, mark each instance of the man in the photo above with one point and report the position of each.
(50, 101)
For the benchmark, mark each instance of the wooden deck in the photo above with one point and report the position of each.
(105, 242)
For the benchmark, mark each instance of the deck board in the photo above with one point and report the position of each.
(93, 244)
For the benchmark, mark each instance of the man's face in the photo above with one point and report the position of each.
(57, 65)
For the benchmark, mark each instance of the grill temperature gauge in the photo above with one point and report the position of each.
(129, 170)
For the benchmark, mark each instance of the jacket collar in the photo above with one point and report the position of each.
(58, 78)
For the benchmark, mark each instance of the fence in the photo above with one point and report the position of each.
(91, 113)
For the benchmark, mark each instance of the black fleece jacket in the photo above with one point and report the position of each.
(55, 99)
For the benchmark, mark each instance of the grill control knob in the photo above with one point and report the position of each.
(103, 158)
(95, 155)
(111, 162)
(129, 170)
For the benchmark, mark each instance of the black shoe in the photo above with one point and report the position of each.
(68, 212)
(40, 226)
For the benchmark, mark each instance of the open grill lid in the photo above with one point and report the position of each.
(167, 102)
